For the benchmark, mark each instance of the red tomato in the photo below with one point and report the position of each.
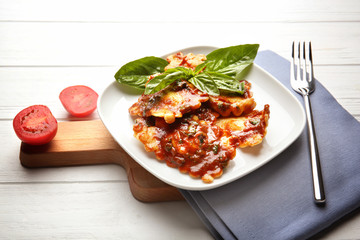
(35, 125)
(79, 101)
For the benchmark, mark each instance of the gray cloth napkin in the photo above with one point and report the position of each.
(276, 201)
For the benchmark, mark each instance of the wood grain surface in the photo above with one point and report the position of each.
(46, 46)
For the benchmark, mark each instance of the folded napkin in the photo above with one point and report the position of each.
(276, 201)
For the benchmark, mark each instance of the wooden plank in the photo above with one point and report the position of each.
(64, 160)
(11, 171)
(187, 11)
(342, 81)
(95, 210)
(89, 143)
(76, 144)
(111, 44)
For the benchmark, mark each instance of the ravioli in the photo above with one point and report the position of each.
(189, 60)
(234, 105)
(169, 103)
(194, 144)
(249, 129)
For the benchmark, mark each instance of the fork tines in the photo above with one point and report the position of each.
(302, 62)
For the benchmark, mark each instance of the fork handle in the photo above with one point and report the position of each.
(319, 193)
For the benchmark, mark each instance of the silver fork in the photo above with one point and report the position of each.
(303, 82)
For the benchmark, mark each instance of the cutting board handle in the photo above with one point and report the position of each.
(89, 143)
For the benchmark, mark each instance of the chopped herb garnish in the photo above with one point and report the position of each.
(215, 149)
(192, 130)
(201, 138)
(254, 121)
(168, 146)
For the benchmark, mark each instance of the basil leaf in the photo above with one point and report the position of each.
(205, 83)
(188, 72)
(171, 75)
(225, 82)
(231, 60)
(136, 73)
(200, 67)
(135, 81)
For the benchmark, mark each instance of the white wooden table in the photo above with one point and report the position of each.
(46, 46)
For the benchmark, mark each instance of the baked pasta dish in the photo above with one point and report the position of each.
(187, 122)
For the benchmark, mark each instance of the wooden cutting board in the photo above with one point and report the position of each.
(87, 143)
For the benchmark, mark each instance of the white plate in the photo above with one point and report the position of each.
(287, 121)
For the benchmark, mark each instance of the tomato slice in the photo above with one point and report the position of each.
(35, 125)
(79, 101)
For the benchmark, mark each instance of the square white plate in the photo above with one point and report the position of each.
(287, 121)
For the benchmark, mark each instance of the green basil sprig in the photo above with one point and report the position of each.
(171, 75)
(221, 71)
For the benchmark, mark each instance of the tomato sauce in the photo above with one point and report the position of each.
(196, 145)
(193, 144)
(255, 125)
